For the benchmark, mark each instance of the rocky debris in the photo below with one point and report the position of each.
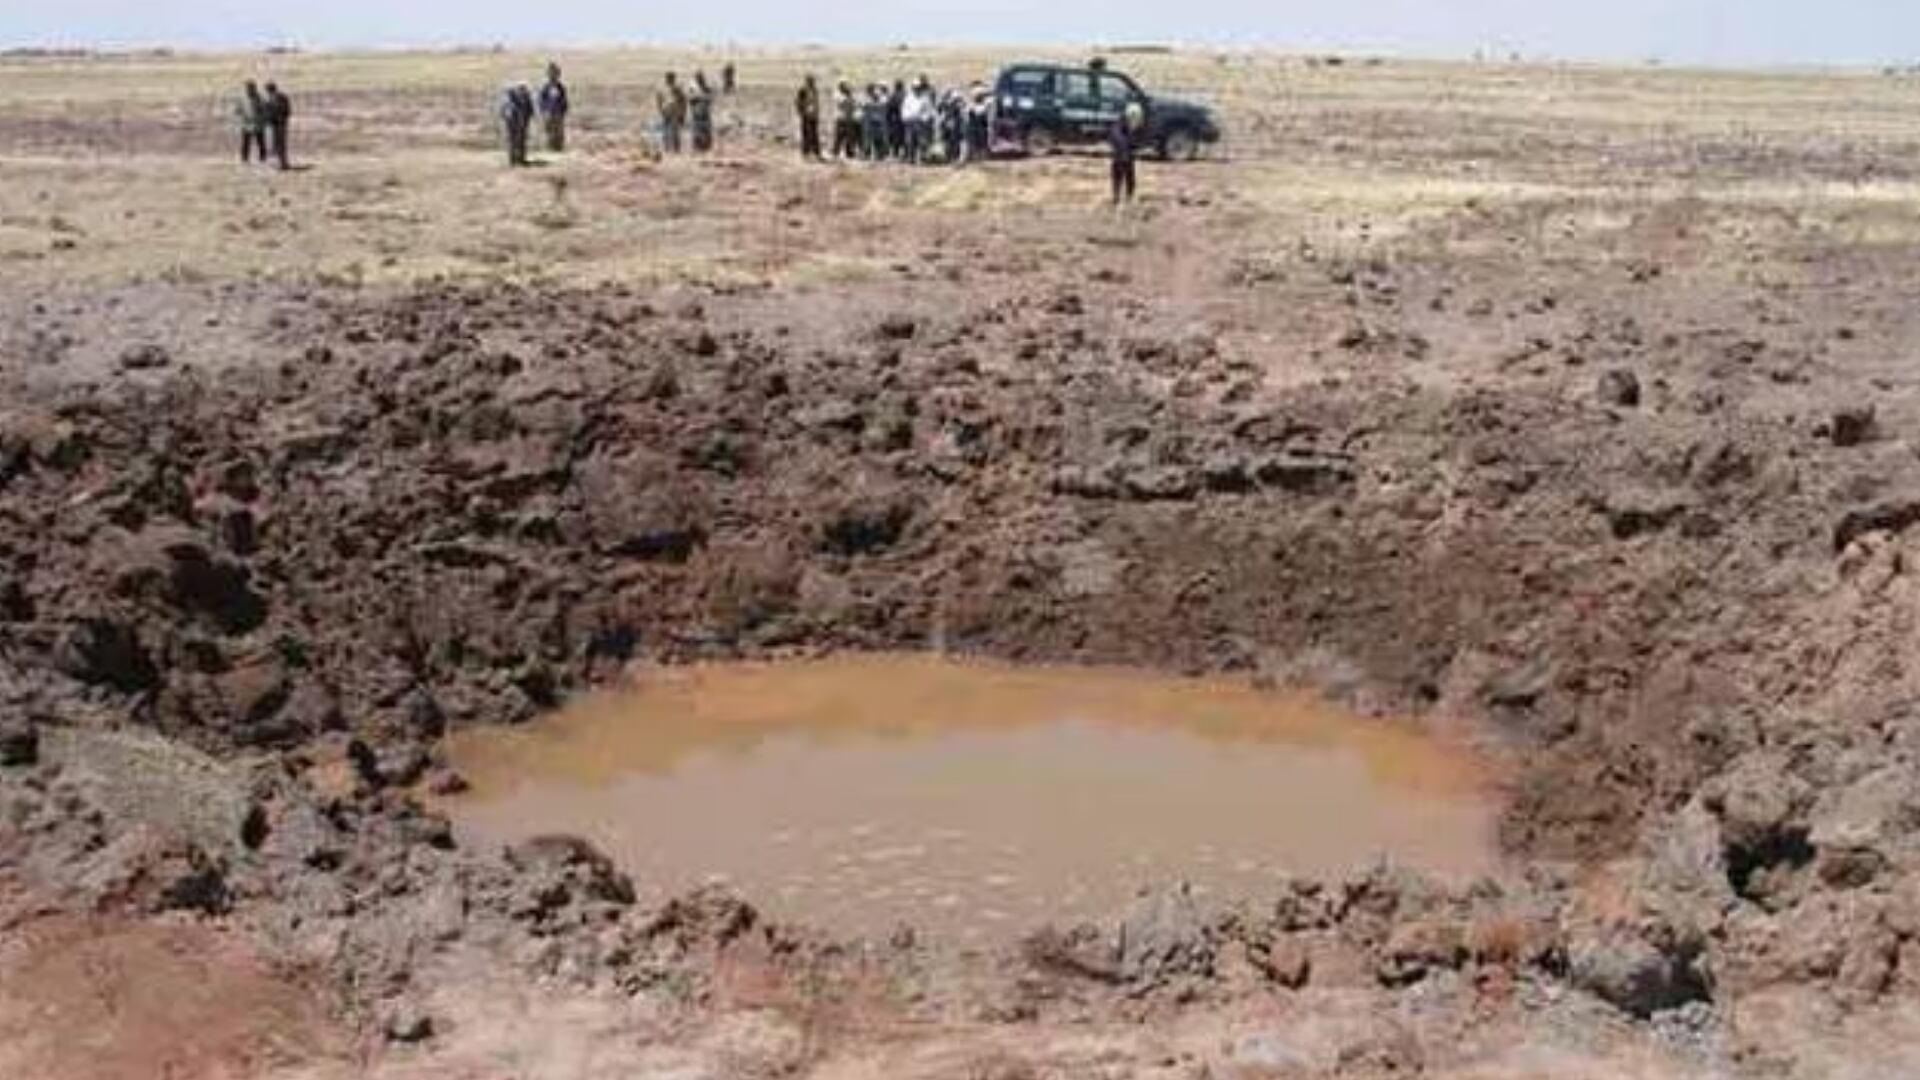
(146, 870)
(1761, 809)
(555, 872)
(320, 570)
(1641, 971)
(1163, 935)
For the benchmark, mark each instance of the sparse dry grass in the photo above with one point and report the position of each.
(120, 168)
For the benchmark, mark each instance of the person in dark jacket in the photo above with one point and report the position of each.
(700, 113)
(728, 83)
(276, 117)
(1125, 138)
(896, 120)
(252, 114)
(672, 102)
(806, 104)
(516, 117)
(873, 123)
(979, 122)
(554, 106)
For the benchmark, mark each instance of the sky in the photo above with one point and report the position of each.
(1730, 32)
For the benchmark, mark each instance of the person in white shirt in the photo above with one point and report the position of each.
(917, 112)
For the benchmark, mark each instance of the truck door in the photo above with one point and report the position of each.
(1115, 94)
(1079, 106)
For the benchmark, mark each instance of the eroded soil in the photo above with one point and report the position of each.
(1615, 486)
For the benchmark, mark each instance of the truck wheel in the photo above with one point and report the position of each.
(1040, 142)
(1180, 145)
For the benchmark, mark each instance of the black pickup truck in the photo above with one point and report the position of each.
(1039, 108)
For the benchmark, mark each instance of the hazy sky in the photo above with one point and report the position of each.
(1709, 31)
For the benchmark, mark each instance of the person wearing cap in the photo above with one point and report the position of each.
(1124, 138)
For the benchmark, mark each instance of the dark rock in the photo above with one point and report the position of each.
(1893, 517)
(19, 740)
(106, 652)
(897, 328)
(15, 604)
(144, 358)
(1620, 388)
(862, 525)
(1305, 473)
(1853, 426)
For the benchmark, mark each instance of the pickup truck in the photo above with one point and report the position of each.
(1040, 108)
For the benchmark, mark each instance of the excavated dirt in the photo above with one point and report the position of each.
(1630, 512)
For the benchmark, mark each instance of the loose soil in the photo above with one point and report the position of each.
(1486, 398)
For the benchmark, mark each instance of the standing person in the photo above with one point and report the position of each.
(916, 115)
(896, 120)
(873, 122)
(252, 114)
(1124, 138)
(277, 115)
(516, 117)
(953, 127)
(672, 101)
(846, 122)
(727, 84)
(806, 104)
(979, 122)
(700, 106)
(553, 108)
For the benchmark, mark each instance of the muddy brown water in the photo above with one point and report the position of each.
(858, 793)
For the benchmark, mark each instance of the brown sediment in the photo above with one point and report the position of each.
(971, 798)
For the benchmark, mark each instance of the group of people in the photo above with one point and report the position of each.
(911, 123)
(518, 106)
(264, 115)
(686, 112)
